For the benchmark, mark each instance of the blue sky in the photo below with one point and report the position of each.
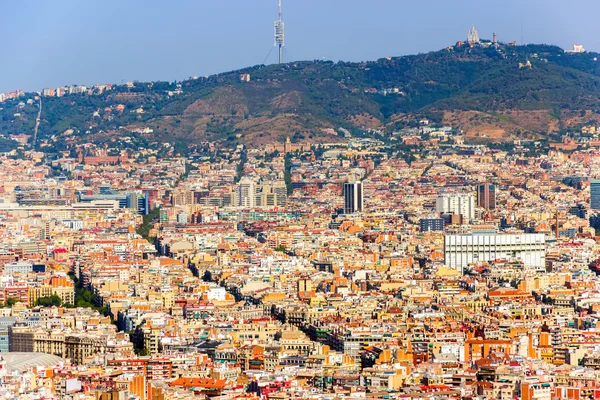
(60, 42)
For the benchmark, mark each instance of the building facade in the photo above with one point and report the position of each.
(456, 203)
(246, 193)
(5, 324)
(595, 194)
(486, 196)
(462, 250)
(353, 197)
(431, 224)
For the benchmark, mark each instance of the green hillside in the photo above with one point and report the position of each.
(301, 99)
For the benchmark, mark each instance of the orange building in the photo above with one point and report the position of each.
(476, 349)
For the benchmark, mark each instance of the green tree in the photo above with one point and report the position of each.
(49, 301)
(11, 301)
(287, 174)
(147, 223)
(240, 166)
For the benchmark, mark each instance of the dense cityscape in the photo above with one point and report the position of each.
(414, 261)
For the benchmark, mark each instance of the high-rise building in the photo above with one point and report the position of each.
(353, 197)
(462, 250)
(486, 196)
(595, 194)
(138, 202)
(456, 203)
(280, 190)
(132, 201)
(246, 193)
(272, 194)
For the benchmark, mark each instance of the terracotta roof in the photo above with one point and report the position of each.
(214, 384)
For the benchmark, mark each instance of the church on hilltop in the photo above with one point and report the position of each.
(473, 37)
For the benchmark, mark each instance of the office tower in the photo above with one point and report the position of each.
(456, 203)
(143, 204)
(595, 194)
(431, 224)
(486, 196)
(246, 193)
(353, 197)
(272, 194)
(280, 190)
(462, 250)
(132, 201)
(137, 202)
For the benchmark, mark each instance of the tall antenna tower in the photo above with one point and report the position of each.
(279, 34)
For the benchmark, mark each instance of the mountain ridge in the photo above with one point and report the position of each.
(492, 94)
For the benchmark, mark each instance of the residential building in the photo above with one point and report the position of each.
(456, 203)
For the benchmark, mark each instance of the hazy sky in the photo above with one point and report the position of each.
(46, 43)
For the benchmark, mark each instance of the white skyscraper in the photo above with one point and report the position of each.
(456, 203)
(246, 193)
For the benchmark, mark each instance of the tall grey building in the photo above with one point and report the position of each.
(595, 194)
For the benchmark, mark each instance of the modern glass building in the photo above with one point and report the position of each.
(5, 323)
(595, 194)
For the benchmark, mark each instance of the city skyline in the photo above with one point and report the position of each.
(416, 227)
(89, 43)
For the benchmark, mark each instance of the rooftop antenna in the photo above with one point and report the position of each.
(279, 34)
(522, 42)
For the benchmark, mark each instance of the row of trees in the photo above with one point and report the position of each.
(47, 301)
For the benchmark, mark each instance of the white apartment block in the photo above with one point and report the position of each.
(456, 203)
(462, 250)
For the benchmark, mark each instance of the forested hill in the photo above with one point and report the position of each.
(489, 92)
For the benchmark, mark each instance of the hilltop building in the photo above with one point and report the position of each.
(287, 147)
(577, 48)
(473, 37)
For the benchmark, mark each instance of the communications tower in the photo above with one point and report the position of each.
(279, 34)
